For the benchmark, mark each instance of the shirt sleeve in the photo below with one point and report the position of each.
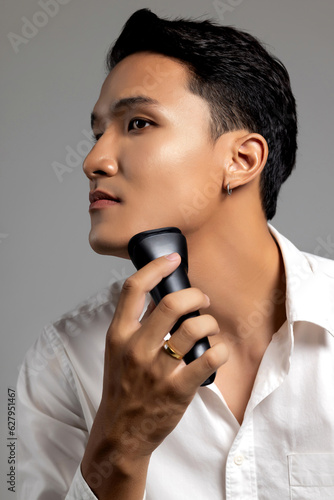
(79, 489)
(52, 433)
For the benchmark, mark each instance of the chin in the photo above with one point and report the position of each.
(107, 246)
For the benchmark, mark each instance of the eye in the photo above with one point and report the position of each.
(134, 124)
(96, 137)
(138, 124)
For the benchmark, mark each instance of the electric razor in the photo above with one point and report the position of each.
(149, 245)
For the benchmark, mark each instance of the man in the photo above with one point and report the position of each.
(196, 128)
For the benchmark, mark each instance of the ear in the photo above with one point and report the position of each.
(248, 158)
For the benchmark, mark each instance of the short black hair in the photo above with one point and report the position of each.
(245, 86)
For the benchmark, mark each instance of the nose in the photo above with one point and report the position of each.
(101, 160)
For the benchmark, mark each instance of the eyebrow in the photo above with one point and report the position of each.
(127, 103)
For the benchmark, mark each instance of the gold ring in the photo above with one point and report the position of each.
(171, 351)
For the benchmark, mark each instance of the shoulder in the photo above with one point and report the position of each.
(74, 333)
(70, 349)
(83, 329)
(86, 313)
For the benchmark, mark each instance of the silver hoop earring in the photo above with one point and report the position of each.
(229, 191)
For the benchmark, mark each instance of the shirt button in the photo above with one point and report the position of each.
(239, 459)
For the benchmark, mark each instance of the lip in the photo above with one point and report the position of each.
(100, 199)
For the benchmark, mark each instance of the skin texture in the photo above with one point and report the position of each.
(167, 171)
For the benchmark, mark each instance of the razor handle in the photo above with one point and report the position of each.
(149, 245)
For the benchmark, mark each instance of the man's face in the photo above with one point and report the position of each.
(155, 159)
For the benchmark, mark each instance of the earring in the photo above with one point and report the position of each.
(229, 191)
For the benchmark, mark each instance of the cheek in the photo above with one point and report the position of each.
(176, 184)
(189, 175)
(179, 162)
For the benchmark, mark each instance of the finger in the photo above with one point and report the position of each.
(191, 376)
(192, 330)
(132, 298)
(167, 312)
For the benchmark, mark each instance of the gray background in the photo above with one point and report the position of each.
(48, 88)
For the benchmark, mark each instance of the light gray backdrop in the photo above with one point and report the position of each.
(51, 72)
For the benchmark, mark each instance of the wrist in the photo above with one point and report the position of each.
(113, 465)
(115, 476)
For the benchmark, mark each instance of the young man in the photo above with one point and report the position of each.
(195, 128)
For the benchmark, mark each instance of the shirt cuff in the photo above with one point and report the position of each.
(79, 489)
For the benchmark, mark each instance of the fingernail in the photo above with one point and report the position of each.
(172, 256)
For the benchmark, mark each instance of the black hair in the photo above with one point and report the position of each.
(244, 85)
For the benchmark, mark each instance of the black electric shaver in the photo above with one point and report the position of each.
(149, 245)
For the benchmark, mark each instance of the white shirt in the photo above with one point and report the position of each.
(284, 448)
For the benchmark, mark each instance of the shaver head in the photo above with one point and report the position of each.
(149, 245)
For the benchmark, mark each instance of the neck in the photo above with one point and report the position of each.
(240, 268)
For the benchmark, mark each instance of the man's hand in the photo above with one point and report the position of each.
(146, 391)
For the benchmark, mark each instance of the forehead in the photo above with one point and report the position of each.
(155, 76)
(149, 69)
(145, 72)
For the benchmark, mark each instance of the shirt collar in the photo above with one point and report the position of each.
(309, 285)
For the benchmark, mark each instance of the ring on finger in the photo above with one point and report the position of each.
(169, 350)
